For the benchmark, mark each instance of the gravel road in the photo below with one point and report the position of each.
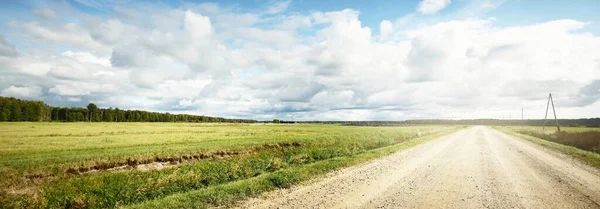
(474, 168)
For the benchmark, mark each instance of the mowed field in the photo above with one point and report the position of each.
(106, 165)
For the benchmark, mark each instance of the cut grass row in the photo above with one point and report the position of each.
(230, 193)
(41, 153)
(318, 143)
(589, 157)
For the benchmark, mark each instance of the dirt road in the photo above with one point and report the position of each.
(474, 168)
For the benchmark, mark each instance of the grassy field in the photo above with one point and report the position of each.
(580, 142)
(106, 165)
(580, 137)
(552, 129)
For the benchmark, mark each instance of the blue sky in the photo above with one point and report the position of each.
(508, 12)
(306, 59)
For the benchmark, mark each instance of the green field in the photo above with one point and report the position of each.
(104, 165)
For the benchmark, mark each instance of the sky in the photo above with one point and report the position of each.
(307, 59)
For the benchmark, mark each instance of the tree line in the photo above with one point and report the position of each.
(13, 109)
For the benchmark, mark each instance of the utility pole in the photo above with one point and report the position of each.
(522, 121)
(554, 110)
(550, 101)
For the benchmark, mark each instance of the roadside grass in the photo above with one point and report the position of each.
(64, 165)
(230, 193)
(567, 139)
(588, 140)
(581, 137)
(552, 129)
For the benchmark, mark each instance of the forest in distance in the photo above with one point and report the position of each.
(14, 110)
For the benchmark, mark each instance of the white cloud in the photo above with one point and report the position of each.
(74, 99)
(385, 29)
(293, 22)
(28, 92)
(429, 7)
(86, 57)
(278, 7)
(111, 32)
(207, 59)
(64, 90)
(69, 33)
(197, 26)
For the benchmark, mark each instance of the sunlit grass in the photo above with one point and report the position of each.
(529, 134)
(552, 129)
(41, 164)
(580, 137)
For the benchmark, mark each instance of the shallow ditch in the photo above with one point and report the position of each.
(160, 162)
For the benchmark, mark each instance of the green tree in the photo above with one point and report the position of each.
(37, 111)
(78, 116)
(55, 111)
(3, 116)
(62, 114)
(92, 110)
(120, 115)
(6, 112)
(15, 112)
(109, 115)
(28, 112)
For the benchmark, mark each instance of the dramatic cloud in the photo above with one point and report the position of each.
(320, 65)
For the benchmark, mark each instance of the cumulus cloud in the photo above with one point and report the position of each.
(429, 7)
(64, 90)
(385, 28)
(28, 92)
(326, 65)
(128, 55)
(69, 33)
(111, 32)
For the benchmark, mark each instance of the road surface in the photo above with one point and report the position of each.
(473, 168)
